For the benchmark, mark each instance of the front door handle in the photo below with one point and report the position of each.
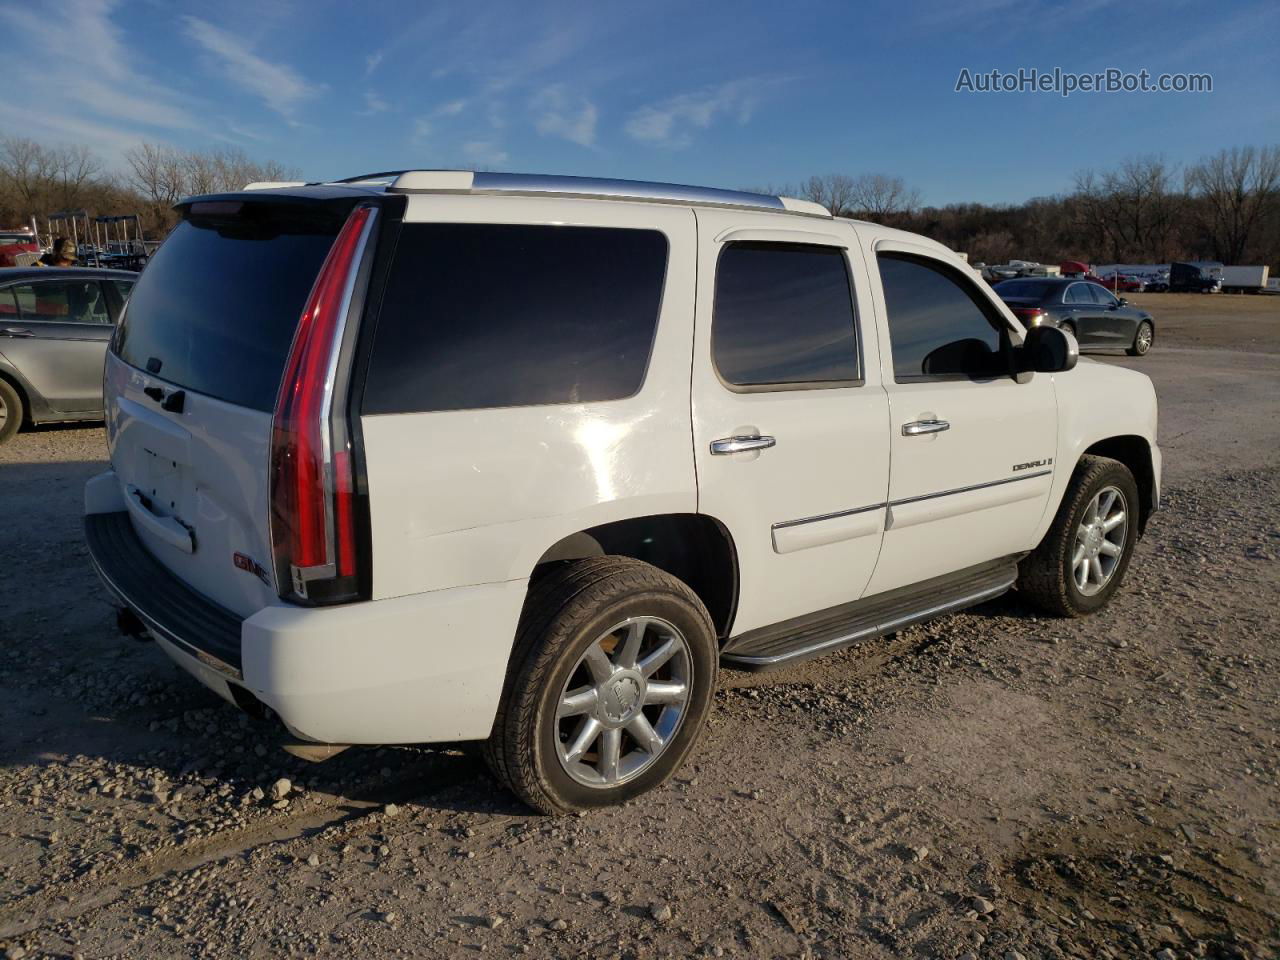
(14, 332)
(741, 444)
(918, 427)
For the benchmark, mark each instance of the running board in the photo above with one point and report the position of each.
(814, 634)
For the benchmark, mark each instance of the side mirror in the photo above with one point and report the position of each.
(1048, 350)
(1123, 302)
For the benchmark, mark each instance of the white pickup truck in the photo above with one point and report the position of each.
(442, 456)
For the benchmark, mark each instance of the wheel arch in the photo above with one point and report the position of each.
(1135, 453)
(28, 414)
(693, 547)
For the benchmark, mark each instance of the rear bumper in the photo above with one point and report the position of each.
(417, 669)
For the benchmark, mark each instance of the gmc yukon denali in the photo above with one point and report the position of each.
(440, 456)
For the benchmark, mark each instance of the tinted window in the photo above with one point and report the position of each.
(8, 304)
(1101, 295)
(62, 301)
(219, 302)
(1024, 289)
(499, 315)
(123, 287)
(1079, 293)
(783, 314)
(937, 328)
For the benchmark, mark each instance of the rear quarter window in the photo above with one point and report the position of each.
(503, 315)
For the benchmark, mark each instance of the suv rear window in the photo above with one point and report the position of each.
(503, 315)
(218, 304)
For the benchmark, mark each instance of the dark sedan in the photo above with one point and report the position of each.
(55, 323)
(1089, 311)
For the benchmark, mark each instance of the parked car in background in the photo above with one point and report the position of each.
(55, 323)
(654, 425)
(15, 242)
(1195, 276)
(1122, 283)
(1091, 313)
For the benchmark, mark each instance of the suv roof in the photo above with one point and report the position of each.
(537, 184)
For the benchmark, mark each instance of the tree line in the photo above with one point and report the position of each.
(37, 179)
(1145, 210)
(1224, 207)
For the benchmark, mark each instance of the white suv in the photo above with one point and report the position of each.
(441, 456)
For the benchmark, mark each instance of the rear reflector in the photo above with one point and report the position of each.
(312, 489)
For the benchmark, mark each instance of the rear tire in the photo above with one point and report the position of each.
(1079, 565)
(592, 714)
(11, 412)
(1143, 337)
(1066, 326)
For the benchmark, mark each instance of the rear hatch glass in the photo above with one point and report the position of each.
(216, 309)
(212, 317)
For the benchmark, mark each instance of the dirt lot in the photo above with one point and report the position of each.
(992, 784)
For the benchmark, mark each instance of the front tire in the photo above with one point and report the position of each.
(610, 683)
(1082, 560)
(1142, 340)
(11, 412)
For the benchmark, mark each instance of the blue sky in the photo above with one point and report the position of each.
(718, 93)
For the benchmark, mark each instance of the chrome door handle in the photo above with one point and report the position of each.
(12, 332)
(741, 444)
(918, 427)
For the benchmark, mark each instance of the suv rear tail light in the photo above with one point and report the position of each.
(1030, 316)
(313, 522)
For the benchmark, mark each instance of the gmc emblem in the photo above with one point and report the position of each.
(250, 565)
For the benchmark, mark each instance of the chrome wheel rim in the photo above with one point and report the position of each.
(1144, 338)
(1100, 540)
(624, 702)
(4, 413)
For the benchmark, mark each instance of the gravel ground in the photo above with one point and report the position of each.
(989, 785)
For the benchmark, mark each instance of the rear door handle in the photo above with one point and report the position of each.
(741, 444)
(14, 332)
(919, 427)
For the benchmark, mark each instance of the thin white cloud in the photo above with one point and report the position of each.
(279, 86)
(374, 104)
(372, 62)
(487, 152)
(672, 122)
(422, 130)
(451, 109)
(557, 113)
(100, 77)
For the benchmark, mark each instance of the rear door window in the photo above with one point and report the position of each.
(8, 305)
(501, 315)
(783, 316)
(216, 309)
(62, 301)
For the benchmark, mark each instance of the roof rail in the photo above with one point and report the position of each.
(537, 184)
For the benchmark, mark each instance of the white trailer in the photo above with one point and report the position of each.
(1244, 279)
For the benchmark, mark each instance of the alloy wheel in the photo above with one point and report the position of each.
(624, 702)
(1100, 541)
(1143, 342)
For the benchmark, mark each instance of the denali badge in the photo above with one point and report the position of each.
(1032, 463)
(244, 562)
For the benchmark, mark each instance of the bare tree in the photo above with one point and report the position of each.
(835, 191)
(883, 198)
(1236, 188)
(1129, 212)
(74, 168)
(26, 168)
